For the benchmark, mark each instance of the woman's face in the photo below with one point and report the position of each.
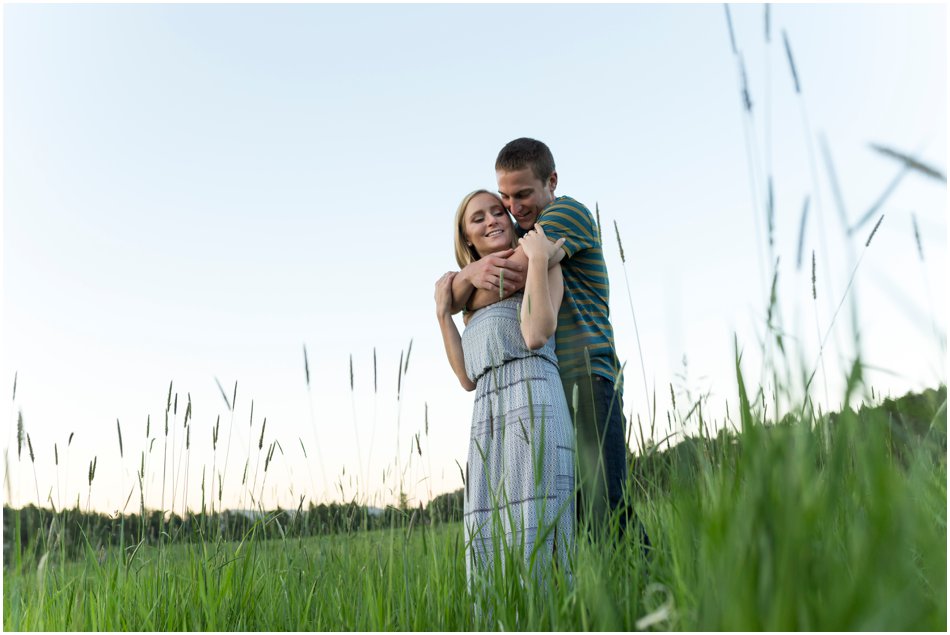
(487, 225)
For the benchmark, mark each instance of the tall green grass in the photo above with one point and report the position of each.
(806, 524)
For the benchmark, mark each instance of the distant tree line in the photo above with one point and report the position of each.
(75, 533)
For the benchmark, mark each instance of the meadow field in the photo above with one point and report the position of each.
(835, 522)
(774, 514)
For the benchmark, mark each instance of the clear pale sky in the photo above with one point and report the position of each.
(197, 191)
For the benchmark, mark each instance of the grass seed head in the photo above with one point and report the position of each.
(260, 443)
(600, 236)
(351, 372)
(374, 370)
(911, 163)
(19, 434)
(746, 96)
(405, 368)
(70, 442)
(270, 455)
(801, 234)
(168, 402)
(118, 427)
(773, 295)
(874, 231)
(56, 453)
(814, 292)
(223, 394)
(175, 406)
(791, 62)
(399, 378)
(148, 425)
(623, 258)
(14, 385)
(29, 445)
(920, 247)
(92, 469)
(251, 424)
(306, 366)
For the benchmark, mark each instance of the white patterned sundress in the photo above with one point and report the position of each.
(519, 487)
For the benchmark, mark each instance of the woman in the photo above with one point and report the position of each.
(519, 489)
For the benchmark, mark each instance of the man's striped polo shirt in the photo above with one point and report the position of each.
(583, 320)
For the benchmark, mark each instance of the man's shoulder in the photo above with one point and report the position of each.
(566, 207)
(567, 218)
(566, 204)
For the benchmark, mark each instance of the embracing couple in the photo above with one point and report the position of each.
(538, 350)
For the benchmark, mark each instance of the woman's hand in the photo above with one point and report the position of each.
(443, 295)
(536, 246)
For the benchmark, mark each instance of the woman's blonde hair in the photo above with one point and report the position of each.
(465, 254)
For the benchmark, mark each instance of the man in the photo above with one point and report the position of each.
(584, 339)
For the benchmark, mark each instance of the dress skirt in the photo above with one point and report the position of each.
(519, 490)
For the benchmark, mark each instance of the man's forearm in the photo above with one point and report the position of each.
(462, 290)
(478, 283)
(482, 298)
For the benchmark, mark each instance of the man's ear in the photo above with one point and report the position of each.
(552, 181)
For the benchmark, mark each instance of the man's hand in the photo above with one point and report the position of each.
(494, 272)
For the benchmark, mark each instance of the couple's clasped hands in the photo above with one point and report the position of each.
(537, 246)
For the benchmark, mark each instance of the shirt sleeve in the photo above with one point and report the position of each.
(573, 225)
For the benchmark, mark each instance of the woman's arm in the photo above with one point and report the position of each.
(544, 289)
(450, 333)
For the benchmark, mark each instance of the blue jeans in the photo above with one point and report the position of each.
(601, 454)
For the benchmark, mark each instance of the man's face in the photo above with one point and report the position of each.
(525, 195)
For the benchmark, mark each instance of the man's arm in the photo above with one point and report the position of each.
(482, 297)
(488, 274)
(504, 285)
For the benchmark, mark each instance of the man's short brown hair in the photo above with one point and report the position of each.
(524, 152)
